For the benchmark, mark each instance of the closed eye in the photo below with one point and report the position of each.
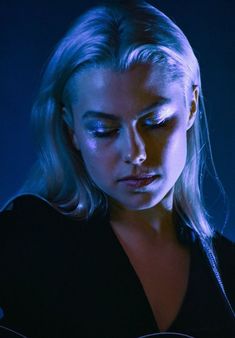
(152, 123)
(104, 133)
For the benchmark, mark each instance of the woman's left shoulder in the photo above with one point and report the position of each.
(225, 248)
(225, 252)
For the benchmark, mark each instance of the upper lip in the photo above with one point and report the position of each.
(136, 177)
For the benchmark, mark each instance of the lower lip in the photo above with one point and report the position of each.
(139, 183)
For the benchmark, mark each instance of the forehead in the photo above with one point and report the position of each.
(106, 89)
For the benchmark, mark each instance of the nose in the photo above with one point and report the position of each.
(134, 151)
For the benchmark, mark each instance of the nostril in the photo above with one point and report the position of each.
(135, 159)
(140, 159)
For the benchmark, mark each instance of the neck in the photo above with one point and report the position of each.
(155, 222)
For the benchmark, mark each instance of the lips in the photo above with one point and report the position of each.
(138, 181)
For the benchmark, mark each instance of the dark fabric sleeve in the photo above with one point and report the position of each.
(37, 247)
(225, 250)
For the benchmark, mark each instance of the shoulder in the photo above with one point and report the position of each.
(225, 252)
(30, 220)
(27, 207)
(30, 209)
(34, 234)
(30, 216)
(225, 249)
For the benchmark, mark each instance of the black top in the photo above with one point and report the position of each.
(62, 278)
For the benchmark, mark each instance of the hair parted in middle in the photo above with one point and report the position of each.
(118, 36)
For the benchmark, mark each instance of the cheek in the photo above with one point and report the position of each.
(98, 160)
(169, 144)
(175, 151)
(86, 144)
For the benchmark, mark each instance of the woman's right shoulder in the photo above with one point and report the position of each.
(29, 223)
(27, 208)
(31, 213)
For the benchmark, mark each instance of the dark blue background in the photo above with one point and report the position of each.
(29, 30)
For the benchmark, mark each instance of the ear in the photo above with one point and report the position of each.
(193, 106)
(69, 121)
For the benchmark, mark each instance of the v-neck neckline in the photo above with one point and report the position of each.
(133, 275)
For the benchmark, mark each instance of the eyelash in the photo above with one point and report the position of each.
(114, 131)
(104, 133)
(157, 124)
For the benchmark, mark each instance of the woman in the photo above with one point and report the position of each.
(109, 236)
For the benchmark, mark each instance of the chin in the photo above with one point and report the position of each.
(148, 201)
(140, 204)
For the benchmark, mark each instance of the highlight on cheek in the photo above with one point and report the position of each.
(89, 145)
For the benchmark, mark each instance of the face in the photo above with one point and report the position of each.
(131, 129)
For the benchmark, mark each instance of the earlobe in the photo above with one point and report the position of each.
(193, 107)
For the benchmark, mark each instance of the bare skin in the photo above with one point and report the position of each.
(129, 124)
(160, 262)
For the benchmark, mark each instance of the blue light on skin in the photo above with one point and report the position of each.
(134, 140)
(100, 124)
(138, 113)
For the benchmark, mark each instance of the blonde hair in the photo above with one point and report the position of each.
(119, 36)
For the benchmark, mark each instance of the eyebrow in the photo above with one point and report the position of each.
(99, 114)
